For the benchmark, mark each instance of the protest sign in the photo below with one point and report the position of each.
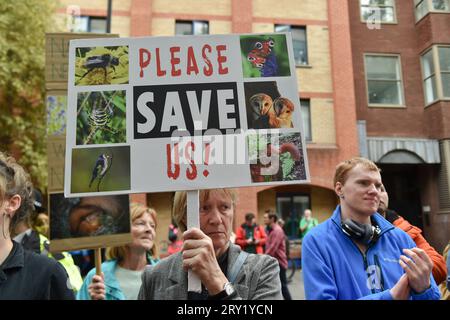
(182, 113)
(88, 222)
(76, 223)
(56, 56)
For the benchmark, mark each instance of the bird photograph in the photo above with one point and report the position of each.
(284, 108)
(100, 169)
(265, 113)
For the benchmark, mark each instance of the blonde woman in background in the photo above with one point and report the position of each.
(121, 273)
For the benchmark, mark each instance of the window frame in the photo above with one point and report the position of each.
(429, 8)
(402, 89)
(192, 22)
(394, 7)
(89, 23)
(441, 82)
(310, 120)
(422, 68)
(437, 73)
(304, 27)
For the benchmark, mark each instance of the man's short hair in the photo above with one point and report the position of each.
(249, 216)
(273, 216)
(343, 168)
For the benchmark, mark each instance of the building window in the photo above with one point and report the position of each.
(91, 24)
(306, 118)
(382, 11)
(299, 42)
(384, 84)
(191, 27)
(444, 67)
(422, 7)
(429, 77)
(436, 73)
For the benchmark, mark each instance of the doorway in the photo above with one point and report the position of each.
(403, 187)
(290, 207)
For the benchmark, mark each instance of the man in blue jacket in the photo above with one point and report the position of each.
(357, 254)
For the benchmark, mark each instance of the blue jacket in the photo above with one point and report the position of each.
(113, 290)
(335, 268)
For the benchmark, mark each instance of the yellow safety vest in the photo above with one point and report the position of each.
(66, 260)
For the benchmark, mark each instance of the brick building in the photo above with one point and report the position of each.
(321, 33)
(401, 63)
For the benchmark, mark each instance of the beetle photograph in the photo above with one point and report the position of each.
(101, 65)
(101, 117)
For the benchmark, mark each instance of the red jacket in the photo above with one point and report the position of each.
(258, 233)
(439, 266)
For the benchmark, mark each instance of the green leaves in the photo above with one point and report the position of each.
(287, 164)
(23, 25)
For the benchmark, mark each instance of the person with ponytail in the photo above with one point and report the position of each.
(24, 275)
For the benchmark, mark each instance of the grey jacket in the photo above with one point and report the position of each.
(258, 278)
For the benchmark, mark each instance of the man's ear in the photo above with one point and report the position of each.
(13, 204)
(338, 189)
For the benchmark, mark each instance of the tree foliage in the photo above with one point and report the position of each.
(23, 24)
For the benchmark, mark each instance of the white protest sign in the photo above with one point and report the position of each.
(182, 113)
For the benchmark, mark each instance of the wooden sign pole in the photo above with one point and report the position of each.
(98, 261)
(193, 209)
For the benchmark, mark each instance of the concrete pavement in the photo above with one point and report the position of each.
(296, 286)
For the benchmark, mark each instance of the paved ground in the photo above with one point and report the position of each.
(296, 286)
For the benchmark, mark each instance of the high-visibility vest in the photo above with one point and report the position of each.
(66, 260)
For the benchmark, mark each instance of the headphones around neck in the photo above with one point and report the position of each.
(364, 233)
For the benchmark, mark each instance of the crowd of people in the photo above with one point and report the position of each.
(364, 250)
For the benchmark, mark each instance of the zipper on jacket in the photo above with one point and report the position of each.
(377, 263)
(366, 266)
(364, 256)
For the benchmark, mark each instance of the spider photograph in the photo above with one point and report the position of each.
(101, 117)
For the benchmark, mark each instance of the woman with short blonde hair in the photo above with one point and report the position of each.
(180, 204)
(225, 271)
(137, 210)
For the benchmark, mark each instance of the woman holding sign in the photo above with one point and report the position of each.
(225, 271)
(24, 275)
(121, 277)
